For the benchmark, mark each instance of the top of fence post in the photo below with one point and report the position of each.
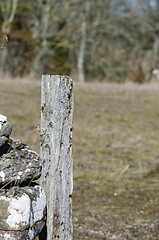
(56, 150)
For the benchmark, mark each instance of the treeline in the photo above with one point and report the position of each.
(106, 40)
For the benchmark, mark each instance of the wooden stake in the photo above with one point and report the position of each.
(56, 150)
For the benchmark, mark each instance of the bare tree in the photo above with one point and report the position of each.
(39, 65)
(8, 15)
(82, 47)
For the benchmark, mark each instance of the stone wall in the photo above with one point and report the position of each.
(22, 201)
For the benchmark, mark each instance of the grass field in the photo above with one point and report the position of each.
(115, 153)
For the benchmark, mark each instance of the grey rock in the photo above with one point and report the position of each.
(6, 129)
(21, 207)
(3, 118)
(28, 234)
(3, 140)
(19, 164)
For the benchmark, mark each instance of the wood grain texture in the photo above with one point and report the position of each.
(56, 150)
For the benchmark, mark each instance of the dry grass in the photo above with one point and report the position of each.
(115, 153)
(20, 102)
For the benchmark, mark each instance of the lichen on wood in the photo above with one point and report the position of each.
(56, 149)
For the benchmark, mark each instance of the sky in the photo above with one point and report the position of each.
(152, 2)
(139, 5)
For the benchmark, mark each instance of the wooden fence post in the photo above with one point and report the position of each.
(56, 149)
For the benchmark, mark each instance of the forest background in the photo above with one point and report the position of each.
(106, 40)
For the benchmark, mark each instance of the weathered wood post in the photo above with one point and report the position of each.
(56, 149)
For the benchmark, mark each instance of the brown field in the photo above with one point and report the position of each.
(115, 153)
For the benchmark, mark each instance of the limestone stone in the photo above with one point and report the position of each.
(22, 201)
(18, 163)
(3, 118)
(21, 207)
(3, 140)
(6, 129)
(27, 234)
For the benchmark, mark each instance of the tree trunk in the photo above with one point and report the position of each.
(38, 68)
(45, 22)
(14, 7)
(81, 54)
(6, 27)
(156, 52)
